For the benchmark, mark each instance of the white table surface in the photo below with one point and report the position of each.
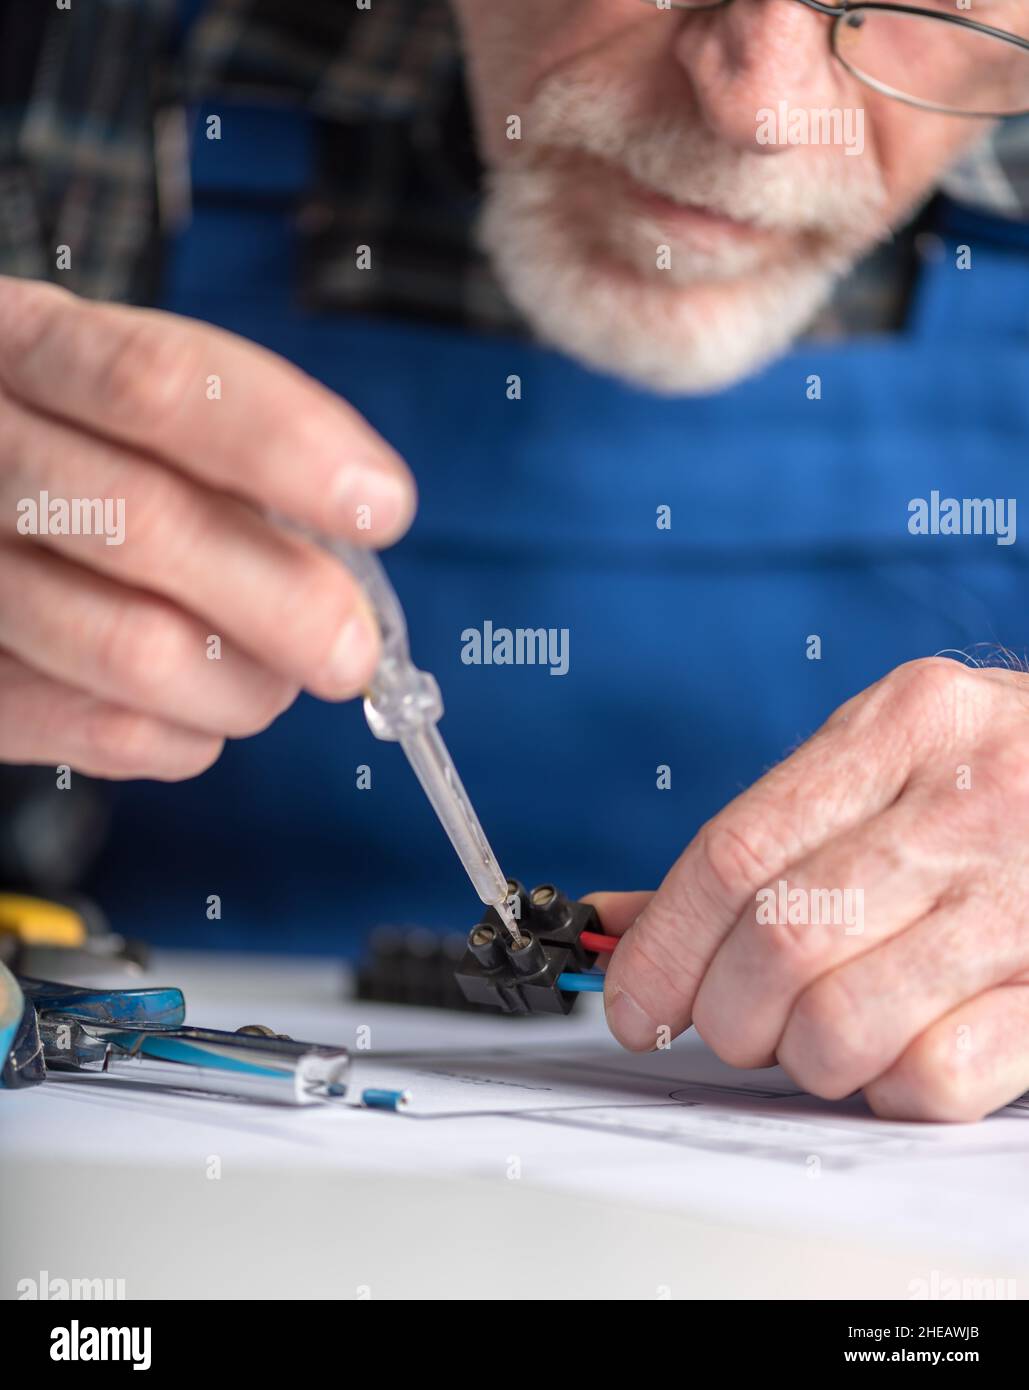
(333, 1202)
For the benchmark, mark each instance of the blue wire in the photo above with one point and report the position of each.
(581, 984)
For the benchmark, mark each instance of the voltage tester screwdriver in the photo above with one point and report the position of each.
(404, 705)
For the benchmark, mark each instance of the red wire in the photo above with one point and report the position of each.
(594, 941)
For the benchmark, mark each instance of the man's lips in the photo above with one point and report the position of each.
(690, 217)
(600, 178)
(598, 187)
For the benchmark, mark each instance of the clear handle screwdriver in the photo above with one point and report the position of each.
(404, 705)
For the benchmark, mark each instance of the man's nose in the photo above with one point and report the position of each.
(750, 56)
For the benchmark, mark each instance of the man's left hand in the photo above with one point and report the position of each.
(914, 796)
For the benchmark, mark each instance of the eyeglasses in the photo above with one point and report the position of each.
(898, 50)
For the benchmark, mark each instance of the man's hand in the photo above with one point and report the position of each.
(915, 794)
(105, 651)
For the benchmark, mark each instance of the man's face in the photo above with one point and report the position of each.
(653, 219)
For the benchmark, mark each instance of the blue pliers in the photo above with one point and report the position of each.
(24, 1001)
(140, 1036)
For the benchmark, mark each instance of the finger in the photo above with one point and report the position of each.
(618, 911)
(218, 407)
(835, 904)
(852, 769)
(965, 1066)
(47, 723)
(853, 1024)
(281, 598)
(130, 648)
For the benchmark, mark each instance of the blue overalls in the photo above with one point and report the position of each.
(690, 645)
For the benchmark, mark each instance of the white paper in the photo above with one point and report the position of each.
(561, 1103)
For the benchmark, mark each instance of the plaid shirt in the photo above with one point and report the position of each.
(86, 100)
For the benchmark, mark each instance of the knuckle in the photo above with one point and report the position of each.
(279, 698)
(928, 688)
(937, 1074)
(11, 436)
(27, 730)
(724, 1035)
(735, 858)
(1002, 768)
(201, 754)
(120, 742)
(264, 707)
(928, 702)
(147, 372)
(796, 943)
(826, 1046)
(154, 506)
(146, 652)
(31, 313)
(792, 945)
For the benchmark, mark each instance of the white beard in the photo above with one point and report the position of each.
(719, 311)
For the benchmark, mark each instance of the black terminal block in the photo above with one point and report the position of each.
(413, 966)
(524, 981)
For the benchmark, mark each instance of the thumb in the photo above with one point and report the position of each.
(648, 985)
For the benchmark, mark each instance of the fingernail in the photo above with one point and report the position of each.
(351, 660)
(373, 499)
(632, 1027)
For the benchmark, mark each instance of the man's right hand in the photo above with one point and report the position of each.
(105, 649)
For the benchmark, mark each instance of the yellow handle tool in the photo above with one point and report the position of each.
(40, 921)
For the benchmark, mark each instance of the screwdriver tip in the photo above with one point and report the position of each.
(509, 920)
